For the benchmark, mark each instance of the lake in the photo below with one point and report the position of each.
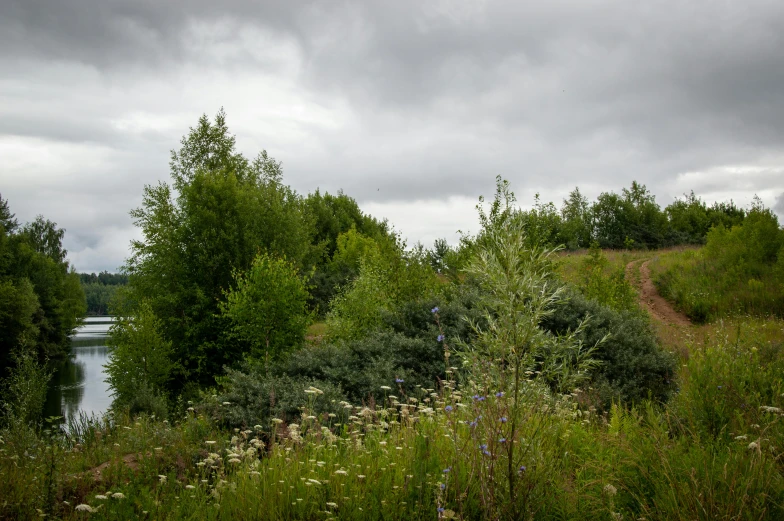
(77, 385)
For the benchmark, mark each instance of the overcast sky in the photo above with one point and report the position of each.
(411, 107)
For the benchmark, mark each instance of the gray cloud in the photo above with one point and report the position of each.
(394, 102)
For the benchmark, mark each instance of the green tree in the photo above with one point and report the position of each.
(141, 364)
(267, 307)
(577, 229)
(196, 234)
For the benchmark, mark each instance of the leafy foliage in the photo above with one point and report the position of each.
(267, 308)
(41, 300)
(633, 366)
(141, 365)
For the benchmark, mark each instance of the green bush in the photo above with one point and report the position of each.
(606, 284)
(633, 367)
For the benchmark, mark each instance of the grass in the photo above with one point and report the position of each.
(706, 290)
(712, 453)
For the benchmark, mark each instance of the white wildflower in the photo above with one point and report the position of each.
(84, 508)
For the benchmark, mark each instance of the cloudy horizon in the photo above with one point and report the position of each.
(411, 108)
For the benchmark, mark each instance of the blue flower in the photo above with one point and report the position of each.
(483, 446)
(503, 419)
(499, 394)
(522, 468)
(434, 310)
(440, 338)
(443, 486)
(446, 470)
(486, 453)
(399, 380)
(448, 408)
(440, 509)
(502, 440)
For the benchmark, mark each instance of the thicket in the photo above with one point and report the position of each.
(739, 271)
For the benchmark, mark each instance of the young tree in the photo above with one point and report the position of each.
(267, 308)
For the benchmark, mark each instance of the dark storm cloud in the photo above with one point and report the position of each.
(402, 101)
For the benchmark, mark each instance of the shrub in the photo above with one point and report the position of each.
(633, 365)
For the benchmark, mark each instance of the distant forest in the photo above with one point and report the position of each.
(100, 289)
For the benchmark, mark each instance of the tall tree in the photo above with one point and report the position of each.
(219, 213)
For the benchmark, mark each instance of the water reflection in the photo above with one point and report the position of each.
(77, 384)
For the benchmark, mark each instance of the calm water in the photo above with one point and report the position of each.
(78, 382)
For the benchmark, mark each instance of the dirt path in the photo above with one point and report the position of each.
(655, 304)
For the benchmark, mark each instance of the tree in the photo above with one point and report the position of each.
(576, 230)
(267, 307)
(219, 213)
(140, 366)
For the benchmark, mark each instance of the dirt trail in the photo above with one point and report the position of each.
(650, 299)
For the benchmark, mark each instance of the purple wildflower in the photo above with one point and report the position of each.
(434, 310)
(448, 408)
(502, 440)
(499, 394)
(440, 338)
(503, 419)
(399, 380)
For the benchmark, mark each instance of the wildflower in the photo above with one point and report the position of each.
(386, 388)
(440, 338)
(84, 508)
(440, 509)
(190, 487)
(434, 310)
(446, 470)
(342, 472)
(503, 419)
(158, 449)
(162, 478)
(502, 440)
(753, 445)
(499, 394)
(448, 408)
(610, 490)
(314, 481)
(486, 452)
(226, 403)
(442, 486)
(258, 427)
(276, 420)
(210, 442)
(332, 505)
(399, 380)
(521, 469)
(118, 495)
(361, 476)
(100, 496)
(234, 460)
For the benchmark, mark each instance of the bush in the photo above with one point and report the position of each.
(634, 367)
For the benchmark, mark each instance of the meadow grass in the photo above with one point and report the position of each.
(712, 453)
(706, 290)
